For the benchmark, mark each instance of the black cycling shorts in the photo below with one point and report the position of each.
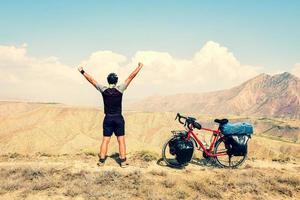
(113, 124)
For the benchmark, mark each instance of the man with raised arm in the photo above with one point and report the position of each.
(113, 121)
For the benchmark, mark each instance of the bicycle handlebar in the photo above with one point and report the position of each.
(188, 121)
(179, 117)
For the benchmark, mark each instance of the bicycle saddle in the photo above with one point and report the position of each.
(221, 121)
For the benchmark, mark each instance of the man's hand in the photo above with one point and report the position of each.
(140, 64)
(88, 77)
(80, 69)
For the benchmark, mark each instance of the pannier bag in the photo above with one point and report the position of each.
(236, 137)
(236, 145)
(240, 128)
(182, 149)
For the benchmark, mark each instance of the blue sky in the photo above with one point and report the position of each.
(262, 33)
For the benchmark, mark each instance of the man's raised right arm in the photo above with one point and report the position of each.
(88, 77)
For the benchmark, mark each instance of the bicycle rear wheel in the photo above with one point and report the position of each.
(227, 161)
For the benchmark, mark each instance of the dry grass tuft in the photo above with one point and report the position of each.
(31, 174)
(44, 184)
(43, 154)
(89, 152)
(169, 183)
(10, 186)
(180, 194)
(108, 177)
(14, 155)
(289, 180)
(145, 155)
(158, 173)
(205, 188)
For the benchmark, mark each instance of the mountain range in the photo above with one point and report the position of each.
(263, 95)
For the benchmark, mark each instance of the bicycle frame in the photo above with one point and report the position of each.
(208, 152)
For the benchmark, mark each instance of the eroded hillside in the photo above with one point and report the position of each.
(28, 128)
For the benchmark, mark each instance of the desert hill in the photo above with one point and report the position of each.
(28, 128)
(56, 128)
(264, 95)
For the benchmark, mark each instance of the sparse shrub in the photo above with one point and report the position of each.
(5, 173)
(43, 154)
(282, 158)
(249, 186)
(169, 183)
(30, 174)
(43, 184)
(107, 177)
(292, 181)
(68, 176)
(10, 186)
(158, 173)
(282, 189)
(70, 192)
(73, 190)
(181, 194)
(205, 189)
(146, 156)
(89, 152)
(14, 155)
(52, 171)
(248, 166)
(133, 179)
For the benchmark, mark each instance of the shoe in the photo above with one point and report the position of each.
(123, 163)
(100, 164)
(101, 161)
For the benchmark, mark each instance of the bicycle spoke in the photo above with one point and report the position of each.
(226, 160)
(222, 151)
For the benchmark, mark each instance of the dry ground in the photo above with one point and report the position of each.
(45, 176)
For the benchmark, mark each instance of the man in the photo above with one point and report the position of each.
(113, 121)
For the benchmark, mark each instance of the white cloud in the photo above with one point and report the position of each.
(103, 62)
(296, 69)
(25, 77)
(212, 67)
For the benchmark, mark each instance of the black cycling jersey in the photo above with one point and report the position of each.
(112, 99)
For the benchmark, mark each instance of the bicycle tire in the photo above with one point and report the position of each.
(167, 161)
(218, 161)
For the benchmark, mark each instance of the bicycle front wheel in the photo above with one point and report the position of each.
(169, 157)
(227, 161)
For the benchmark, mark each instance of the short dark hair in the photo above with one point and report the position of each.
(112, 78)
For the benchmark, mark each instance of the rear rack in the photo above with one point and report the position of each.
(179, 132)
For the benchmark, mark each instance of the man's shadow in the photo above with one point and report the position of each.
(115, 157)
(203, 162)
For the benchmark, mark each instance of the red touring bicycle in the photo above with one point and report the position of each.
(218, 149)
